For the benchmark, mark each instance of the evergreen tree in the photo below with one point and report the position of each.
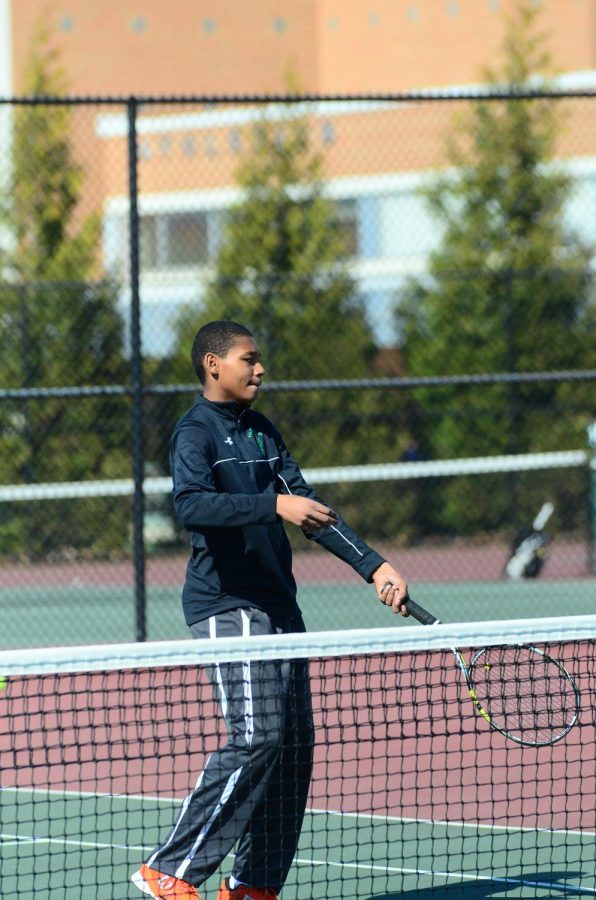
(59, 327)
(508, 289)
(282, 271)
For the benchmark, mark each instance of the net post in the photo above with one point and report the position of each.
(137, 378)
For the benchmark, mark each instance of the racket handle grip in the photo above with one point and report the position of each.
(421, 614)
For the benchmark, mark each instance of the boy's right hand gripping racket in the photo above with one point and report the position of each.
(521, 691)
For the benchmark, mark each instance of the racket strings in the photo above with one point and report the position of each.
(525, 693)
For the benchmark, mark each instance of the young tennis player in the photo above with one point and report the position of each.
(235, 485)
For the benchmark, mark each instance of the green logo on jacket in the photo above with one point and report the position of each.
(259, 438)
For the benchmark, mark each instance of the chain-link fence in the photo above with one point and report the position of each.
(419, 274)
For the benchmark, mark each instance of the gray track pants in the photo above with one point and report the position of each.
(253, 790)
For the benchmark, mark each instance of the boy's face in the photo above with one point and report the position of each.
(235, 376)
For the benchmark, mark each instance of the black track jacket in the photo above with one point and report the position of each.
(228, 462)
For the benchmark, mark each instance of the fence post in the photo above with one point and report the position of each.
(591, 430)
(136, 360)
(509, 325)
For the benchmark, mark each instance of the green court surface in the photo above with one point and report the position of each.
(70, 845)
(37, 616)
(85, 846)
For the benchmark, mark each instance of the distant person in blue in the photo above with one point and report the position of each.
(235, 486)
(411, 453)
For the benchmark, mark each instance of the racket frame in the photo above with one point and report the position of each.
(425, 618)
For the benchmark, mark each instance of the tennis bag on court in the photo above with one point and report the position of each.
(528, 551)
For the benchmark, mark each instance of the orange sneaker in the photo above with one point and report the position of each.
(242, 892)
(163, 887)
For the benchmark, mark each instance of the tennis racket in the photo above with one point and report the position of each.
(520, 690)
(528, 553)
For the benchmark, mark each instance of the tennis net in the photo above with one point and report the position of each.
(412, 793)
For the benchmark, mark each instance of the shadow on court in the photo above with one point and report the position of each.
(567, 884)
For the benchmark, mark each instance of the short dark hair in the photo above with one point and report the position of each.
(215, 337)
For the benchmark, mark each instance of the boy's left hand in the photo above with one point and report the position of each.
(392, 588)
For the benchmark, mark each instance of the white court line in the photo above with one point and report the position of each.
(489, 826)
(398, 870)
(388, 870)
(395, 820)
(9, 839)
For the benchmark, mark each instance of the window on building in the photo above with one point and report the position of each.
(578, 211)
(347, 218)
(66, 24)
(138, 25)
(407, 228)
(327, 132)
(148, 252)
(169, 240)
(235, 140)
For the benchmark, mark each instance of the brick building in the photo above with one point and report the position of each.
(377, 155)
(229, 46)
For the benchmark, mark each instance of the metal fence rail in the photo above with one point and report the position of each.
(95, 366)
